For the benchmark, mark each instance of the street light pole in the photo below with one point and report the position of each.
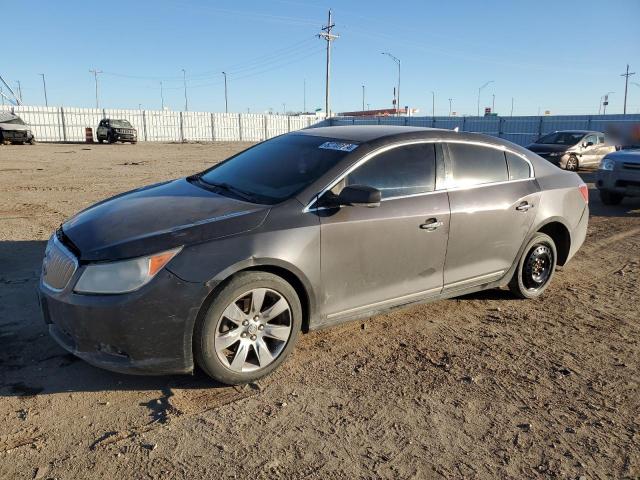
(363, 98)
(397, 60)
(226, 103)
(606, 101)
(626, 84)
(480, 91)
(512, 106)
(433, 103)
(95, 76)
(161, 97)
(44, 87)
(184, 81)
(493, 103)
(450, 100)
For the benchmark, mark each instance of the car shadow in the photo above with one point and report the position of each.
(31, 362)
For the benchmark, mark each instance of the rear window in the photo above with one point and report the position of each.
(400, 171)
(475, 165)
(518, 167)
(277, 169)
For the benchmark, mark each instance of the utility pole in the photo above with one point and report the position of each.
(304, 96)
(512, 106)
(95, 77)
(184, 81)
(161, 97)
(363, 98)
(19, 90)
(450, 100)
(226, 102)
(493, 103)
(397, 60)
(44, 86)
(626, 84)
(328, 37)
(284, 108)
(480, 91)
(433, 103)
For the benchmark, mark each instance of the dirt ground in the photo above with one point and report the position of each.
(483, 386)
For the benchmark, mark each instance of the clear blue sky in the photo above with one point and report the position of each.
(557, 55)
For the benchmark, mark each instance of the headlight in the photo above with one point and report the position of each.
(123, 276)
(607, 164)
(556, 154)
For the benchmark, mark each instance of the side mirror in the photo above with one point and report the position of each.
(587, 144)
(354, 195)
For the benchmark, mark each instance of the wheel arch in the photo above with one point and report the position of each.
(561, 236)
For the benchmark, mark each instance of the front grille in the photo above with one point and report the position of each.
(631, 166)
(58, 266)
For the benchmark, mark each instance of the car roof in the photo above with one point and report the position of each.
(578, 131)
(365, 133)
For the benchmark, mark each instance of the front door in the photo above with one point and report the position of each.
(372, 258)
(493, 203)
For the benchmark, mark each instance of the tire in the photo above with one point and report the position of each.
(237, 358)
(525, 283)
(110, 138)
(100, 140)
(610, 198)
(572, 164)
(32, 141)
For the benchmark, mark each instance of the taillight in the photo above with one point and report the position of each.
(584, 191)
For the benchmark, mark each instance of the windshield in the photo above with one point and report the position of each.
(121, 124)
(14, 121)
(277, 169)
(561, 138)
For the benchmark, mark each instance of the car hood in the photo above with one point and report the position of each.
(14, 127)
(156, 218)
(548, 148)
(626, 156)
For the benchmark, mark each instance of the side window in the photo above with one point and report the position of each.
(590, 138)
(400, 171)
(475, 165)
(600, 139)
(518, 167)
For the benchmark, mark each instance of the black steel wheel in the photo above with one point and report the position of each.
(535, 268)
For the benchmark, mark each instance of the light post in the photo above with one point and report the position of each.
(433, 103)
(226, 103)
(605, 102)
(450, 100)
(397, 60)
(44, 87)
(480, 91)
(184, 81)
(363, 98)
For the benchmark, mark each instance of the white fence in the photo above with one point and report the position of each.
(520, 130)
(67, 124)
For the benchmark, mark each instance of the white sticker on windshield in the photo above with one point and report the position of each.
(343, 147)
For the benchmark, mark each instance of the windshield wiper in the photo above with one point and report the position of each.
(230, 188)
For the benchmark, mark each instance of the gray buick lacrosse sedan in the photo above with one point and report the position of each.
(225, 268)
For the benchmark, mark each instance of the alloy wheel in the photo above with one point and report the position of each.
(253, 330)
(572, 164)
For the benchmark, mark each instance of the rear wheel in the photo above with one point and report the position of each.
(610, 198)
(249, 329)
(535, 268)
(572, 163)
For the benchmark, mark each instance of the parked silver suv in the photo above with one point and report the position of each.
(619, 176)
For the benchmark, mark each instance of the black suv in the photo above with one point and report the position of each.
(116, 131)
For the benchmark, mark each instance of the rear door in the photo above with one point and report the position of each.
(376, 257)
(493, 203)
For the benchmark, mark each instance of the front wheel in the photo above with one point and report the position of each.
(249, 329)
(535, 268)
(610, 198)
(572, 163)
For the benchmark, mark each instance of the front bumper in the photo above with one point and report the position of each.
(123, 137)
(625, 181)
(16, 135)
(148, 331)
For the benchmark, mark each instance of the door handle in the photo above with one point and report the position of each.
(431, 224)
(524, 206)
